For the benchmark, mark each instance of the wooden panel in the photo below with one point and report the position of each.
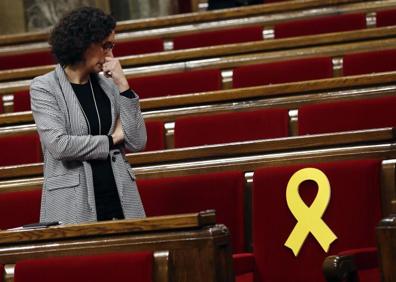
(386, 240)
(197, 252)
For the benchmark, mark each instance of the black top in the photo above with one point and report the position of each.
(108, 205)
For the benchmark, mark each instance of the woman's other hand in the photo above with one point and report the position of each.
(112, 68)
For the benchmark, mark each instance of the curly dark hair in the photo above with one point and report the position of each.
(76, 31)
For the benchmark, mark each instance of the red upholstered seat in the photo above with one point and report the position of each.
(347, 115)
(386, 18)
(282, 72)
(132, 47)
(19, 208)
(1, 272)
(218, 37)
(320, 25)
(369, 62)
(120, 267)
(20, 149)
(22, 101)
(176, 83)
(352, 214)
(155, 135)
(223, 192)
(231, 127)
(24, 60)
(244, 266)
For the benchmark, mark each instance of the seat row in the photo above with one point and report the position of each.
(259, 233)
(155, 86)
(311, 26)
(237, 126)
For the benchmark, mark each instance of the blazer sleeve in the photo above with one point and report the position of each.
(51, 126)
(132, 122)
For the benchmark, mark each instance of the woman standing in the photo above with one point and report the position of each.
(85, 120)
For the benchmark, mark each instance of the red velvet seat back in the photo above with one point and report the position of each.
(352, 214)
(218, 37)
(20, 149)
(320, 25)
(386, 18)
(282, 72)
(1, 272)
(231, 127)
(19, 208)
(223, 192)
(176, 83)
(120, 267)
(133, 47)
(31, 59)
(155, 135)
(22, 101)
(347, 115)
(369, 62)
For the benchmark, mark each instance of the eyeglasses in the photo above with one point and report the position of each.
(108, 45)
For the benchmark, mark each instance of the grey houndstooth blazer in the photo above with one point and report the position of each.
(68, 192)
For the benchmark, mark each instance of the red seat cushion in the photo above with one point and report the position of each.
(369, 62)
(218, 37)
(347, 115)
(20, 149)
(23, 60)
(282, 72)
(223, 192)
(320, 25)
(19, 208)
(231, 127)
(22, 101)
(133, 47)
(120, 267)
(155, 135)
(176, 83)
(352, 214)
(386, 17)
(1, 272)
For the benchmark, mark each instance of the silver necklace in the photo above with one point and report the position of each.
(96, 106)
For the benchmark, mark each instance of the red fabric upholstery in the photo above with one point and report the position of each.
(282, 72)
(218, 37)
(366, 260)
(1, 272)
(120, 267)
(20, 149)
(320, 25)
(155, 135)
(176, 83)
(126, 48)
(352, 214)
(22, 101)
(24, 60)
(247, 277)
(19, 208)
(386, 17)
(243, 263)
(223, 192)
(231, 127)
(369, 62)
(347, 115)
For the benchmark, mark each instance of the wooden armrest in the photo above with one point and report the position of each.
(345, 265)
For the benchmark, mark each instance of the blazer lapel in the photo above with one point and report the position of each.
(78, 123)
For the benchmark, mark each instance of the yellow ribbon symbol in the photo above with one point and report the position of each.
(309, 219)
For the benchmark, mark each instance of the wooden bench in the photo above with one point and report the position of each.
(178, 243)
